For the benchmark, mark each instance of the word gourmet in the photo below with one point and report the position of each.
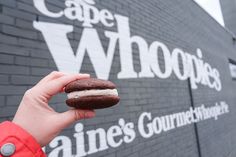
(184, 65)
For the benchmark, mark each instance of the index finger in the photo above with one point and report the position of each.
(55, 86)
(51, 76)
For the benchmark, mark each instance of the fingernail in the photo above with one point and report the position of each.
(85, 74)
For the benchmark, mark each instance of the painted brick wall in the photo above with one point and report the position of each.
(25, 59)
(229, 10)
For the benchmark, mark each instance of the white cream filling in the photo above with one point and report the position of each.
(92, 92)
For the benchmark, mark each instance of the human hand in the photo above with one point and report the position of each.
(38, 118)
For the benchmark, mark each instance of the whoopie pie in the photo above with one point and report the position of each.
(91, 93)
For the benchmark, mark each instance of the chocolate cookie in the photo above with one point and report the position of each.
(91, 94)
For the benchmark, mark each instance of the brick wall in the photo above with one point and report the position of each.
(229, 10)
(25, 59)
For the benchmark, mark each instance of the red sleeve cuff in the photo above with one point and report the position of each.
(9, 130)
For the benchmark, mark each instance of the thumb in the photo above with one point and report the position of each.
(73, 115)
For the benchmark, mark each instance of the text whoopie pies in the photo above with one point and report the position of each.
(91, 94)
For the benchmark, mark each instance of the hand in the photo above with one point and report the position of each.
(38, 118)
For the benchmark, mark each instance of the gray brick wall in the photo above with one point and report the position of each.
(229, 12)
(25, 59)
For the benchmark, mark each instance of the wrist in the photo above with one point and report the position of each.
(26, 128)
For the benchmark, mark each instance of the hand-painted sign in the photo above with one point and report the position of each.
(199, 71)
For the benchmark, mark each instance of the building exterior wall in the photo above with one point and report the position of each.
(26, 55)
(229, 12)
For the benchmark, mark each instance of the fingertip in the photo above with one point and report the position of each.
(84, 75)
(57, 73)
(90, 114)
(81, 76)
(78, 76)
(94, 113)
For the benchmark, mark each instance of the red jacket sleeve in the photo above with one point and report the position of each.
(25, 144)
